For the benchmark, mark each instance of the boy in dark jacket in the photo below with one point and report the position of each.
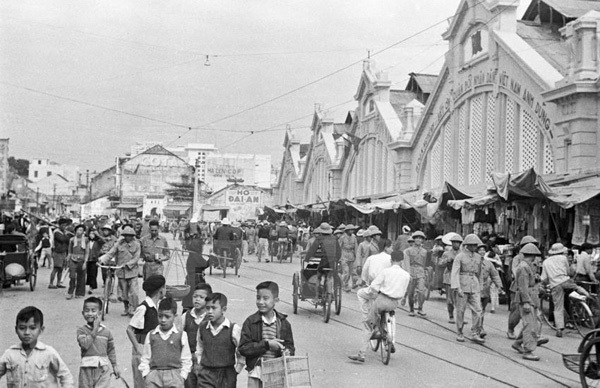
(266, 333)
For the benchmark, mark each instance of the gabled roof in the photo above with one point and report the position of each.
(425, 82)
(159, 150)
(570, 9)
(400, 98)
(546, 43)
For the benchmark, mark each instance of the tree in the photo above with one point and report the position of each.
(21, 166)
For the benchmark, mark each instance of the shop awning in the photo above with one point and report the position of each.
(130, 206)
(274, 210)
(575, 193)
(483, 200)
(177, 208)
(213, 208)
(363, 208)
(526, 184)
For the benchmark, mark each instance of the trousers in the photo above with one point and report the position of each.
(128, 289)
(529, 333)
(263, 248)
(76, 278)
(167, 378)
(347, 271)
(418, 285)
(558, 297)
(98, 377)
(450, 299)
(473, 301)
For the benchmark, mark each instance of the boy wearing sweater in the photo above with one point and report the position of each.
(191, 321)
(166, 358)
(265, 334)
(218, 340)
(97, 348)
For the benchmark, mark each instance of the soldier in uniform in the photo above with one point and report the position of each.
(417, 258)
(446, 261)
(154, 251)
(528, 301)
(464, 279)
(349, 246)
(127, 254)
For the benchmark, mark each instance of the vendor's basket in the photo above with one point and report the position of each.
(286, 372)
(178, 292)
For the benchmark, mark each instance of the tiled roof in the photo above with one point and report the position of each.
(399, 99)
(570, 9)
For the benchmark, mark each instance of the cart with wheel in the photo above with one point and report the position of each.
(586, 362)
(16, 262)
(320, 289)
(225, 254)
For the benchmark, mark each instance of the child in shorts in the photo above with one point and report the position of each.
(32, 363)
(265, 334)
(97, 348)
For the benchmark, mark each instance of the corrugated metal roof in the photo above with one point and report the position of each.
(546, 43)
(573, 8)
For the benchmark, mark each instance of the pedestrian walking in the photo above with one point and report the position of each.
(144, 320)
(97, 348)
(447, 261)
(513, 316)
(417, 258)
(79, 251)
(154, 251)
(528, 302)
(166, 358)
(464, 278)
(217, 349)
(349, 246)
(127, 254)
(263, 240)
(95, 245)
(61, 250)
(489, 276)
(23, 362)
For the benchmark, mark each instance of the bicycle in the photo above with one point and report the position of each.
(283, 251)
(384, 340)
(108, 286)
(578, 313)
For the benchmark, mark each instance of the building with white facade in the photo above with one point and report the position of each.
(42, 168)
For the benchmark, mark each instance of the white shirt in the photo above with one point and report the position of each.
(392, 282)
(555, 270)
(186, 355)
(137, 320)
(374, 265)
(236, 333)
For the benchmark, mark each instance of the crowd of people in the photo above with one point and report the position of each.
(208, 350)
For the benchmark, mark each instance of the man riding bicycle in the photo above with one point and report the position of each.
(328, 245)
(283, 238)
(383, 295)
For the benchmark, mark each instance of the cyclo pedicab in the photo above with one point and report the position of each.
(319, 281)
(16, 261)
(226, 251)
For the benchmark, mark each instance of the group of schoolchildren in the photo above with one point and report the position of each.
(207, 351)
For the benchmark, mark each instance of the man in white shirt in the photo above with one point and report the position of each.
(383, 294)
(555, 272)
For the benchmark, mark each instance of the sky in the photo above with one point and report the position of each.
(81, 81)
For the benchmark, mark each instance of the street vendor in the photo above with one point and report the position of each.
(154, 251)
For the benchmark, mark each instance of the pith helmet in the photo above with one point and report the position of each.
(528, 240)
(418, 233)
(530, 249)
(451, 237)
(472, 239)
(557, 249)
(128, 231)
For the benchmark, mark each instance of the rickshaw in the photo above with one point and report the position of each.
(224, 254)
(586, 362)
(16, 262)
(306, 285)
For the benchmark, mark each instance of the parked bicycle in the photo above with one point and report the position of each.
(108, 286)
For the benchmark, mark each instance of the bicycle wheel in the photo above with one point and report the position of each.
(106, 301)
(385, 349)
(33, 275)
(589, 365)
(337, 295)
(295, 290)
(547, 310)
(327, 307)
(582, 317)
(374, 343)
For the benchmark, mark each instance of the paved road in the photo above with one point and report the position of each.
(427, 353)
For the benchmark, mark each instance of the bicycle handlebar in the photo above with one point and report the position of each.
(110, 266)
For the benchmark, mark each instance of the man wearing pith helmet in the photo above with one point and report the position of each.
(446, 261)
(417, 259)
(528, 301)
(464, 278)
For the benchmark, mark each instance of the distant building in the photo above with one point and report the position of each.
(42, 168)
(196, 155)
(236, 202)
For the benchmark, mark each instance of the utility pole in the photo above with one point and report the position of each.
(54, 197)
(195, 198)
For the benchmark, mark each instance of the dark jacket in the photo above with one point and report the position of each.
(252, 346)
